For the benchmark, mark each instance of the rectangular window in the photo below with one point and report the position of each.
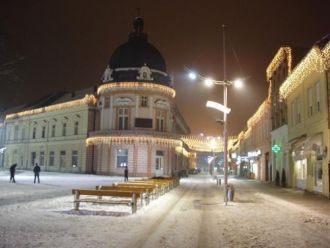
(42, 158)
(62, 158)
(160, 120)
(23, 133)
(123, 119)
(53, 130)
(310, 101)
(16, 133)
(34, 133)
(74, 160)
(64, 129)
(106, 102)
(144, 101)
(33, 158)
(76, 128)
(122, 158)
(43, 133)
(298, 110)
(317, 97)
(51, 158)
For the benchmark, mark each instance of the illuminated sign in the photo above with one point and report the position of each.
(276, 148)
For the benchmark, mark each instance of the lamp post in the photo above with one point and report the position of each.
(223, 108)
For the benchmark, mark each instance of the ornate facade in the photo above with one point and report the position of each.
(131, 119)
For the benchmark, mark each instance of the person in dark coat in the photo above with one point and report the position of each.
(12, 173)
(36, 171)
(126, 174)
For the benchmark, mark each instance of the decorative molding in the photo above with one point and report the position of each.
(123, 101)
(145, 73)
(161, 103)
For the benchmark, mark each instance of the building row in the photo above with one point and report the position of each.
(287, 139)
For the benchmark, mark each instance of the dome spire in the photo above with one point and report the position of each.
(138, 23)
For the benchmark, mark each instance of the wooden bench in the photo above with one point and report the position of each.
(125, 197)
(154, 190)
(145, 192)
(166, 185)
(161, 188)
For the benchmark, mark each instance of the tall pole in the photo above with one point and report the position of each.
(225, 134)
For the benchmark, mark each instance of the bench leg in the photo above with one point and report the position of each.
(134, 207)
(76, 200)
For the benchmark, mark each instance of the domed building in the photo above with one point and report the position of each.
(130, 119)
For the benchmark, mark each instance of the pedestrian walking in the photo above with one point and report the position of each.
(12, 170)
(126, 174)
(36, 171)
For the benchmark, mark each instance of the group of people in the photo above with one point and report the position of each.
(36, 171)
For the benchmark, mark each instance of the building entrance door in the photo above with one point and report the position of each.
(159, 165)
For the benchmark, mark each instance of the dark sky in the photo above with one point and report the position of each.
(66, 45)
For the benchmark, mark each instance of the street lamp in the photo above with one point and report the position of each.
(225, 83)
(225, 110)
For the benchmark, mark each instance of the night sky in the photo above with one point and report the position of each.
(66, 45)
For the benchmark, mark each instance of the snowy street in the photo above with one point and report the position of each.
(191, 215)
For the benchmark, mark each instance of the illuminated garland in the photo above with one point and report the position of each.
(281, 54)
(183, 151)
(314, 61)
(203, 144)
(131, 140)
(87, 100)
(262, 110)
(135, 86)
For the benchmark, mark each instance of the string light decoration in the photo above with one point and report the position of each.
(263, 109)
(282, 53)
(110, 87)
(202, 144)
(315, 61)
(119, 140)
(131, 140)
(87, 100)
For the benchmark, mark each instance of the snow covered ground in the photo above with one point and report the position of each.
(191, 215)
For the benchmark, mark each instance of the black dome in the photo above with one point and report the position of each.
(129, 57)
(135, 53)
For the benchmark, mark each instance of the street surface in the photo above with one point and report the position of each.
(191, 215)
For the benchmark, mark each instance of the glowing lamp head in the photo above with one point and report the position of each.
(208, 82)
(192, 75)
(238, 83)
